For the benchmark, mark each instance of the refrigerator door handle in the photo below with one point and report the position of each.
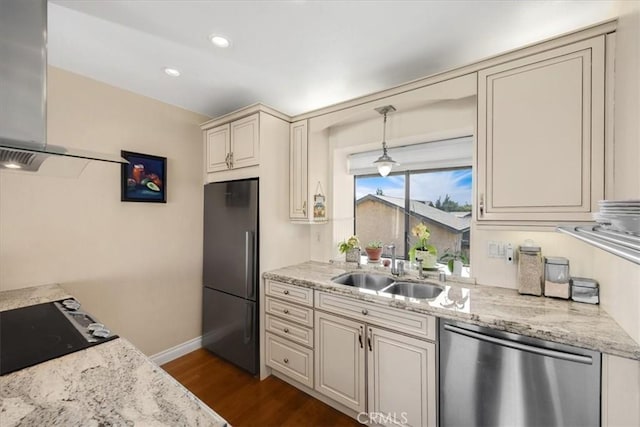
(248, 323)
(249, 264)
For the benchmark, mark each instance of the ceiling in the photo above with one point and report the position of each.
(295, 56)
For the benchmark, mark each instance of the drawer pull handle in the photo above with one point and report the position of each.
(365, 311)
(286, 292)
(286, 360)
(286, 330)
(285, 311)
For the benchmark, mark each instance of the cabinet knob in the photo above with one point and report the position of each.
(286, 330)
(285, 311)
(286, 292)
(304, 208)
(365, 311)
(286, 360)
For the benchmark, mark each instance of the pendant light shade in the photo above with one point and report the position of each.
(384, 162)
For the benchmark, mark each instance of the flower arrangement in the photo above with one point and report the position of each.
(348, 244)
(422, 232)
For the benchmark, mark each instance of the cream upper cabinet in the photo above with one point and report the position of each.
(298, 164)
(340, 360)
(245, 142)
(234, 145)
(541, 135)
(401, 378)
(218, 148)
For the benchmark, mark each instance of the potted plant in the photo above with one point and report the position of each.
(422, 249)
(374, 250)
(454, 260)
(351, 248)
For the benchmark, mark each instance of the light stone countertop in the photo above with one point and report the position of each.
(31, 296)
(108, 384)
(566, 322)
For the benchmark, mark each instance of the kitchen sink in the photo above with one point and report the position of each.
(414, 290)
(386, 284)
(375, 282)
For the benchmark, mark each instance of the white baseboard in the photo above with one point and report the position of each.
(172, 353)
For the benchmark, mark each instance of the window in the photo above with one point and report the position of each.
(380, 211)
(387, 208)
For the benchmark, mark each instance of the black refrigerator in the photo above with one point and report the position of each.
(230, 272)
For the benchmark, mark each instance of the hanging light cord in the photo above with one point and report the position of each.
(384, 135)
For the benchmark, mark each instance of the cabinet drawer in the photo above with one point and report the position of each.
(291, 293)
(421, 325)
(290, 331)
(291, 312)
(291, 359)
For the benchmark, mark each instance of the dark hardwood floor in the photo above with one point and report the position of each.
(244, 400)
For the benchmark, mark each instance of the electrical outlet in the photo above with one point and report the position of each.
(508, 253)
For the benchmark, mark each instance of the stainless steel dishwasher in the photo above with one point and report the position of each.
(492, 378)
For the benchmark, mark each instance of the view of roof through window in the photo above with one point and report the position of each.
(441, 200)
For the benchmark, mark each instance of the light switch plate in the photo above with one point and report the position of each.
(495, 249)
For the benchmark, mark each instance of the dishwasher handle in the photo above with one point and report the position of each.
(587, 360)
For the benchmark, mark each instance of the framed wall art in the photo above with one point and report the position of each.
(144, 179)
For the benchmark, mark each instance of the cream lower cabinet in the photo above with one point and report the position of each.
(401, 379)
(289, 331)
(340, 360)
(389, 376)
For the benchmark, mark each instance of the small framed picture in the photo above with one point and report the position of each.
(144, 179)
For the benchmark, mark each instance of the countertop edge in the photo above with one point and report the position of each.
(629, 350)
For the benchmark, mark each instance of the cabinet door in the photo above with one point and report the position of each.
(218, 147)
(298, 189)
(401, 379)
(340, 360)
(245, 142)
(541, 135)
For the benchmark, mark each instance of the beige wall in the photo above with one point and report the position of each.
(136, 266)
(621, 290)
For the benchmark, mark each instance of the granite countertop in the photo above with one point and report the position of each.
(108, 384)
(566, 322)
(31, 296)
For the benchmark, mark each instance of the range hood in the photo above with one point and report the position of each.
(23, 92)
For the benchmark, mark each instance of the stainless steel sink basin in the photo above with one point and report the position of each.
(364, 280)
(414, 290)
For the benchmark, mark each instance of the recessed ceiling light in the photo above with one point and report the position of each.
(219, 40)
(171, 72)
(12, 166)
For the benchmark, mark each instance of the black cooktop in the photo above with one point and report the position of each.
(35, 334)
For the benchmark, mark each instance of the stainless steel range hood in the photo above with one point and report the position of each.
(23, 90)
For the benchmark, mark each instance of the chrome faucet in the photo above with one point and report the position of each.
(394, 268)
(420, 272)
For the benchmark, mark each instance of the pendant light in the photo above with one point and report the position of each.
(385, 163)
